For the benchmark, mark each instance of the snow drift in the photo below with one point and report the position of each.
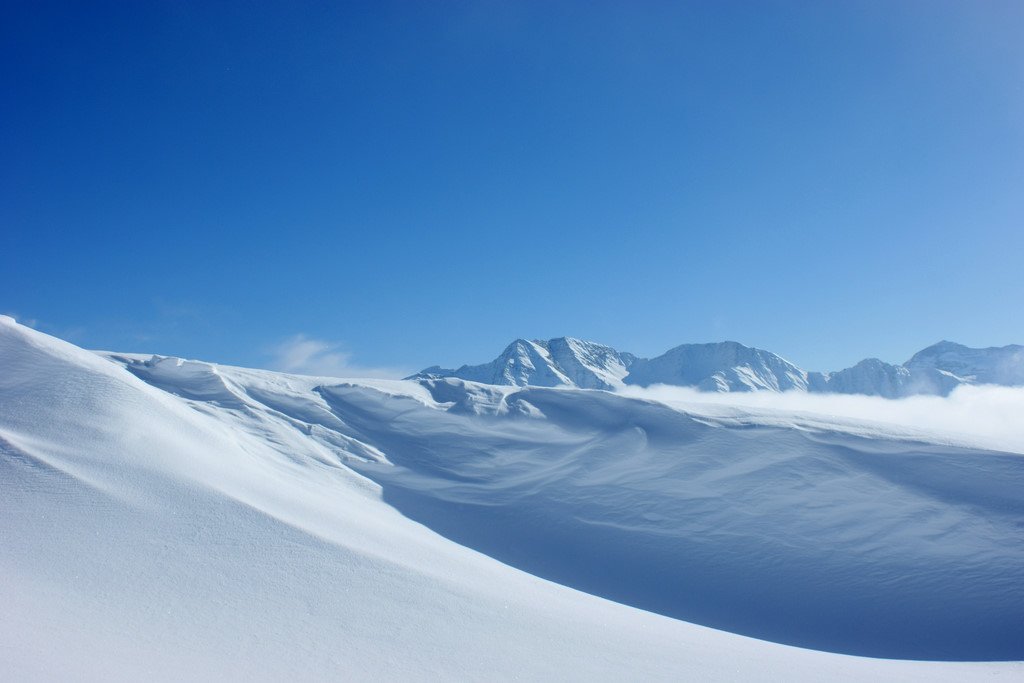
(167, 519)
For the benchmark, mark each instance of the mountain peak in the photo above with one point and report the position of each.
(719, 366)
(732, 366)
(991, 365)
(564, 361)
(941, 347)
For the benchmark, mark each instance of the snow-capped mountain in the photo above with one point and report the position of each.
(870, 376)
(994, 365)
(589, 365)
(731, 366)
(556, 362)
(725, 366)
(937, 370)
(874, 377)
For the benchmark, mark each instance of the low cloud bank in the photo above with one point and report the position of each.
(983, 416)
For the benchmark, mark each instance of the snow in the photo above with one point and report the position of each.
(588, 365)
(556, 362)
(870, 377)
(166, 519)
(733, 367)
(724, 366)
(995, 365)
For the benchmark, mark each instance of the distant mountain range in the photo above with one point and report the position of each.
(731, 366)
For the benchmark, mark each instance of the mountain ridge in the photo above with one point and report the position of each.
(731, 366)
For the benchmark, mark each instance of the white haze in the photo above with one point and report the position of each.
(984, 416)
(304, 355)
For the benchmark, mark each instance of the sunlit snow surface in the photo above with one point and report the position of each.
(167, 520)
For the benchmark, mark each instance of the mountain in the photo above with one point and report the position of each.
(589, 365)
(731, 366)
(995, 365)
(873, 377)
(166, 519)
(938, 369)
(557, 362)
(725, 366)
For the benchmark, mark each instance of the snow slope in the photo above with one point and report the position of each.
(589, 365)
(175, 520)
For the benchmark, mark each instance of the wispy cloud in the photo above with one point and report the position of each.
(304, 355)
(27, 322)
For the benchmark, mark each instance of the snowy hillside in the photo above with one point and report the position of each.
(176, 520)
(730, 366)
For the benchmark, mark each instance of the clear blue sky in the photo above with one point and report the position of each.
(406, 184)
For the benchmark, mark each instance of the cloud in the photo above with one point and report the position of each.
(304, 355)
(980, 416)
(27, 322)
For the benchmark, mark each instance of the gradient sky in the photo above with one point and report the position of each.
(352, 186)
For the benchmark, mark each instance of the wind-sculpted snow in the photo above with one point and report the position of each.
(813, 537)
(173, 520)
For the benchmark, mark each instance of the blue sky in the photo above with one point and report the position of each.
(392, 185)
